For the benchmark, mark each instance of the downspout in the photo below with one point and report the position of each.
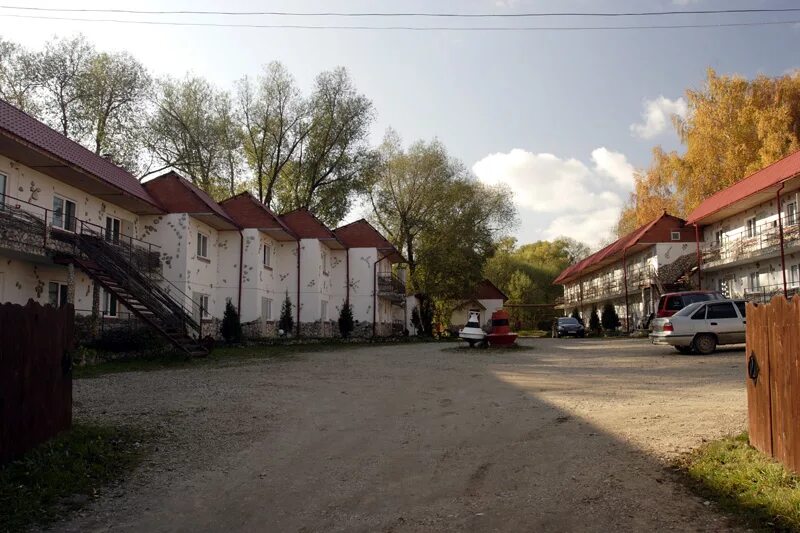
(699, 258)
(625, 281)
(375, 294)
(241, 271)
(780, 234)
(297, 304)
(347, 274)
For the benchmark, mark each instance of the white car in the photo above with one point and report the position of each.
(701, 326)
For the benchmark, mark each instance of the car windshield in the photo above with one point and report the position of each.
(689, 309)
(567, 321)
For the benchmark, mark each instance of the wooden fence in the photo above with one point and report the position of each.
(35, 375)
(773, 384)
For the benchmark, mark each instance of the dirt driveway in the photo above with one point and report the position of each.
(566, 436)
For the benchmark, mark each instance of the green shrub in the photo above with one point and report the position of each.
(610, 318)
(286, 322)
(231, 325)
(594, 321)
(346, 324)
(577, 315)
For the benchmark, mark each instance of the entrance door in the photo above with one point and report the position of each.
(112, 229)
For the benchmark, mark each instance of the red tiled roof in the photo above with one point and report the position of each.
(178, 195)
(362, 234)
(486, 290)
(19, 124)
(248, 212)
(771, 175)
(307, 226)
(645, 234)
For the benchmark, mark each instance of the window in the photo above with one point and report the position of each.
(112, 229)
(3, 180)
(266, 309)
(791, 213)
(752, 230)
(110, 304)
(267, 253)
(202, 245)
(700, 314)
(754, 281)
(63, 213)
(721, 310)
(203, 301)
(794, 275)
(323, 311)
(675, 235)
(57, 293)
(742, 308)
(675, 303)
(718, 236)
(324, 262)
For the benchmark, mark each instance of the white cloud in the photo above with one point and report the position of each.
(657, 114)
(570, 197)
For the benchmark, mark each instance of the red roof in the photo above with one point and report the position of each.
(657, 230)
(486, 290)
(26, 130)
(769, 176)
(362, 234)
(248, 212)
(305, 225)
(178, 195)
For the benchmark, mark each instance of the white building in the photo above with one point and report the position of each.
(751, 234)
(632, 272)
(485, 298)
(75, 228)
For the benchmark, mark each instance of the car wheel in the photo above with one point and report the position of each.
(705, 344)
(684, 349)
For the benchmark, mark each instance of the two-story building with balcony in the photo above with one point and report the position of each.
(632, 272)
(751, 234)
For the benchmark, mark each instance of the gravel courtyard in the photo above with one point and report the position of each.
(567, 435)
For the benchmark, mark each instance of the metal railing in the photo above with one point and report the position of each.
(611, 286)
(752, 241)
(390, 285)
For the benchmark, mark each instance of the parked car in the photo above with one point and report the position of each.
(672, 302)
(701, 326)
(567, 325)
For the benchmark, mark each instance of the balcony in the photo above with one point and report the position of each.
(38, 233)
(391, 287)
(764, 293)
(761, 240)
(610, 287)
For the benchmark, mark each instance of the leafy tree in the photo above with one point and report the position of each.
(231, 325)
(346, 324)
(286, 321)
(18, 80)
(610, 319)
(426, 314)
(334, 157)
(594, 321)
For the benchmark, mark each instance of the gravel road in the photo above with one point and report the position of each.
(567, 435)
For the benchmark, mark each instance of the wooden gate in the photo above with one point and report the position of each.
(773, 378)
(35, 375)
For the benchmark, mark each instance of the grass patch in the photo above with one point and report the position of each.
(222, 356)
(64, 473)
(538, 333)
(744, 481)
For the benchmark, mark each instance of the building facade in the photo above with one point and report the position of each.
(75, 228)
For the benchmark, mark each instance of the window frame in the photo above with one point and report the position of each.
(323, 310)
(675, 235)
(791, 218)
(64, 217)
(751, 231)
(730, 305)
(266, 309)
(110, 298)
(202, 245)
(754, 276)
(3, 187)
(59, 295)
(324, 262)
(266, 255)
(794, 274)
(204, 314)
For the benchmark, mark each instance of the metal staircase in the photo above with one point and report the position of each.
(143, 294)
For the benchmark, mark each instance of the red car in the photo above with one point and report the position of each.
(672, 302)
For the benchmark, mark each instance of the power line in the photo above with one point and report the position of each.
(409, 28)
(408, 14)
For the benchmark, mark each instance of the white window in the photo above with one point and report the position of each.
(267, 253)
(3, 180)
(57, 293)
(323, 311)
(752, 230)
(266, 309)
(203, 301)
(63, 213)
(110, 304)
(202, 245)
(791, 213)
(755, 282)
(324, 262)
(675, 235)
(718, 236)
(794, 275)
(112, 229)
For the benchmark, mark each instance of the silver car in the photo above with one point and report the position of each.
(701, 326)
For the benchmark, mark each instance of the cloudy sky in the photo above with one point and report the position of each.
(562, 117)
